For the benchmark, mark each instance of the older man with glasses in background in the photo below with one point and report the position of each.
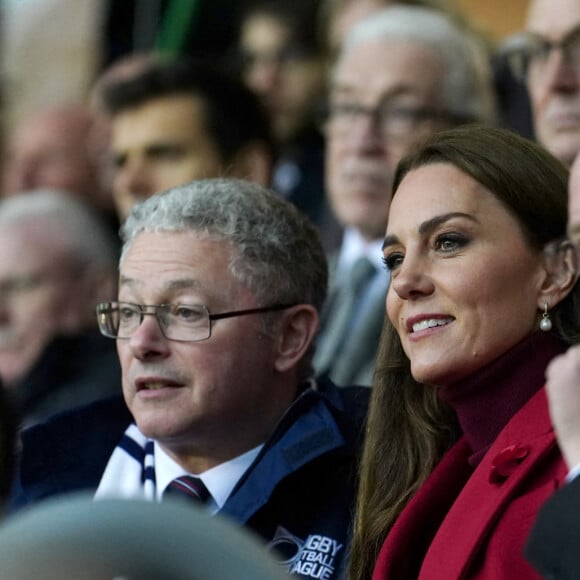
(401, 75)
(546, 57)
(220, 286)
(57, 260)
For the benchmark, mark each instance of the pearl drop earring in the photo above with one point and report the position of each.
(546, 323)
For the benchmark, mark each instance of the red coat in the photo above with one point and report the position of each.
(480, 518)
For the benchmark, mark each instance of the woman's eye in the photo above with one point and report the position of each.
(393, 261)
(450, 242)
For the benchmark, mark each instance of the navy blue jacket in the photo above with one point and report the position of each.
(298, 494)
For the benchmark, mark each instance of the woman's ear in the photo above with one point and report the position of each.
(297, 329)
(561, 266)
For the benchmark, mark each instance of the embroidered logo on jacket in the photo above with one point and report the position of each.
(314, 557)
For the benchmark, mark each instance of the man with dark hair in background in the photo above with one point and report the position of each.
(173, 122)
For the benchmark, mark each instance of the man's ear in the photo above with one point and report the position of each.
(254, 163)
(561, 267)
(296, 331)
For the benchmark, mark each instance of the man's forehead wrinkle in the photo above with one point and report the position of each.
(173, 284)
(183, 283)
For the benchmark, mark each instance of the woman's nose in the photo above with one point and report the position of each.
(412, 279)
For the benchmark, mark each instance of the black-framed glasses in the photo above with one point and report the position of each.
(392, 121)
(179, 322)
(528, 54)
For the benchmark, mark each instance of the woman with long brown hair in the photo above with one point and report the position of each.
(460, 452)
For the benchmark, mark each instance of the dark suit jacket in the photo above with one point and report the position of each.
(553, 546)
(73, 371)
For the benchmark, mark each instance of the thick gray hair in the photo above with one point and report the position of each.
(467, 86)
(81, 233)
(276, 252)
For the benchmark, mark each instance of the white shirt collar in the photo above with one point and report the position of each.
(354, 246)
(219, 480)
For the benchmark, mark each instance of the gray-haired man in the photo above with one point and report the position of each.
(220, 286)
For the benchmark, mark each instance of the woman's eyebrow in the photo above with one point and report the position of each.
(390, 241)
(430, 225)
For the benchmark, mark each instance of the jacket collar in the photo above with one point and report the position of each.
(483, 494)
(307, 431)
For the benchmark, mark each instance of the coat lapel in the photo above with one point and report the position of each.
(406, 544)
(521, 445)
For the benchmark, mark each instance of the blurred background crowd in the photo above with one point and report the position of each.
(104, 103)
(54, 50)
(99, 105)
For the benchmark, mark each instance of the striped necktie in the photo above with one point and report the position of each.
(187, 487)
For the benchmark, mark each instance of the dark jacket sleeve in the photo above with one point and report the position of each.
(553, 545)
(68, 453)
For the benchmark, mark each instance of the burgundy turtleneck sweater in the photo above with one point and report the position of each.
(485, 402)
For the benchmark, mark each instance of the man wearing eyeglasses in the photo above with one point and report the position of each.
(220, 286)
(402, 74)
(547, 58)
(56, 260)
